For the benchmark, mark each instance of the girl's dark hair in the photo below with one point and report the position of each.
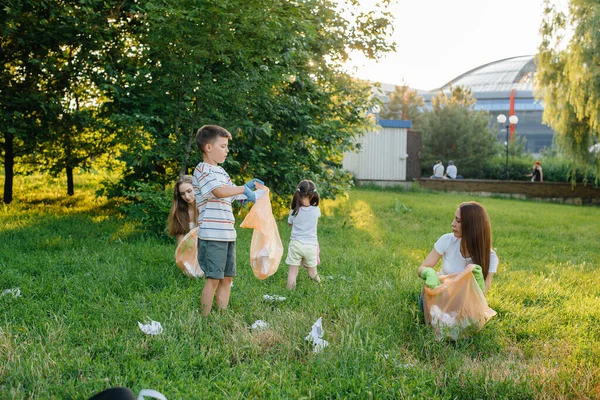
(179, 221)
(476, 240)
(306, 188)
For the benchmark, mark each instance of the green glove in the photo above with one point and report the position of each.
(430, 277)
(478, 274)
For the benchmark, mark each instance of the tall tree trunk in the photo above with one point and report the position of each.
(9, 167)
(70, 187)
(190, 142)
(186, 155)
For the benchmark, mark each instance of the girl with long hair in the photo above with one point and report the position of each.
(184, 213)
(469, 243)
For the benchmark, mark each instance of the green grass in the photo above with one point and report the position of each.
(87, 276)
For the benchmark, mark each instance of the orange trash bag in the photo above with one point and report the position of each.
(457, 307)
(266, 248)
(186, 255)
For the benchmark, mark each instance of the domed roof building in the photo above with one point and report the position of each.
(514, 73)
(506, 87)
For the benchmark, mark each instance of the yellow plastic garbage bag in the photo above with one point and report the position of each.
(457, 308)
(186, 255)
(266, 248)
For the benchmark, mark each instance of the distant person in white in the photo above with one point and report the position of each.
(438, 170)
(451, 171)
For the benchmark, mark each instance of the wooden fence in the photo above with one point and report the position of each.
(549, 191)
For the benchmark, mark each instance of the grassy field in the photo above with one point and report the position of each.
(87, 277)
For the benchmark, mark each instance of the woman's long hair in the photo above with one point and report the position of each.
(179, 221)
(306, 188)
(476, 238)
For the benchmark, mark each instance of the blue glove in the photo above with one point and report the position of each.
(250, 196)
(251, 184)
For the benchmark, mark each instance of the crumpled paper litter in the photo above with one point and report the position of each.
(259, 324)
(153, 328)
(316, 336)
(16, 292)
(273, 297)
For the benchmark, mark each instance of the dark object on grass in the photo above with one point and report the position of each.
(117, 393)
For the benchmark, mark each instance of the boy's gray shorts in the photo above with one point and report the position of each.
(217, 259)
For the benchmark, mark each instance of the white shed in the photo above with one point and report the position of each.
(383, 154)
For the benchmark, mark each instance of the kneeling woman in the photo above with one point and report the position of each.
(469, 243)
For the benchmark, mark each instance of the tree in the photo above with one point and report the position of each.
(57, 57)
(568, 77)
(79, 70)
(22, 105)
(452, 130)
(404, 103)
(269, 71)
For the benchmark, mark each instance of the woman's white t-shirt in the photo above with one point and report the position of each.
(452, 261)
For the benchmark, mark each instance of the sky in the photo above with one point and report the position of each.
(438, 40)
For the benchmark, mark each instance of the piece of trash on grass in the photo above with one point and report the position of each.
(316, 336)
(273, 297)
(151, 393)
(16, 292)
(153, 328)
(259, 324)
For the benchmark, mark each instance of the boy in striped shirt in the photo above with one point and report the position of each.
(216, 232)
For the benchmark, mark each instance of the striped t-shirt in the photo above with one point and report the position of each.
(215, 219)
